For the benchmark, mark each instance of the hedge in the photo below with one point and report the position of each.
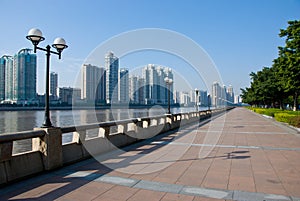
(287, 116)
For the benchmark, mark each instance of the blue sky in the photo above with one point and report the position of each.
(240, 36)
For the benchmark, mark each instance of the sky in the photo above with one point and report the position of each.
(238, 36)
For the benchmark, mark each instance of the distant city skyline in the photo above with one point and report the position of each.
(18, 85)
(239, 36)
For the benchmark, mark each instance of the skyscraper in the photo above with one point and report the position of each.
(203, 98)
(112, 71)
(141, 90)
(101, 86)
(162, 96)
(156, 90)
(230, 94)
(9, 67)
(53, 84)
(133, 89)
(123, 85)
(6, 63)
(68, 95)
(24, 77)
(150, 76)
(92, 83)
(216, 94)
(169, 73)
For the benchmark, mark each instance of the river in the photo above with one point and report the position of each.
(15, 121)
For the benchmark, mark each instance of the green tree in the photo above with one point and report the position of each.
(288, 62)
(264, 88)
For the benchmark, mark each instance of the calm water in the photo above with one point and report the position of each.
(14, 121)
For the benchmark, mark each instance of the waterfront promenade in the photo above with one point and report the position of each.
(237, 156)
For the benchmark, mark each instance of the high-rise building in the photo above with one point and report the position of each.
(169, 73)
(151, 79)
(176, 97)
(237, 99)
(161, 86)
(185, 98)
(92, 83)
(216, 94)
(112, 71)
(134, 89)
(67, 94)
(203, 98)
(24, 77)
(141, 90)
(9, 78)
(6, 66)
(123, 85)
(192, 95)
(2, 78)
(53, 84)
(101, 86)
(155, 88)
(230, 94)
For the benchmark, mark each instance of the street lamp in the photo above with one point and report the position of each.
(196, 99)
(169, 82)
(36, 36)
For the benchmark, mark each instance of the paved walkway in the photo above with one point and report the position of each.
(237, 156)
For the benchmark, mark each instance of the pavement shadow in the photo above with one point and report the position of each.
(232, 155)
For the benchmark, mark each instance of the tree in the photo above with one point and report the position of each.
(264, 88)
(276, 84)
(288, 62)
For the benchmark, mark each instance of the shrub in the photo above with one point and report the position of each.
(287, 116)
(284, 117)
(269, 112)
(295, 121)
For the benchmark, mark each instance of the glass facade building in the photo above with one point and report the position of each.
(124, 85)
(112, 74)
(24, 77)
(53, 84)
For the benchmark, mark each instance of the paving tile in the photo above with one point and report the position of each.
(206, 199)
(117, 193)
(177, 197)
(147, 195)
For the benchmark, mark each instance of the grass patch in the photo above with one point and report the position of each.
(286, 116)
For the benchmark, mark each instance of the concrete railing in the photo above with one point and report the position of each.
(49, 153)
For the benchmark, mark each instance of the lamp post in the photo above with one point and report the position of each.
(208, 101)
(196, 99)
(169, 82)
(36, 36)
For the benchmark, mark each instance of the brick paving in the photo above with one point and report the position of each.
(237, 156)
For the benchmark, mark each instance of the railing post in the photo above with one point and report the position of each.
(168, 122)
(104, 132)
(6, 151)
(79, 136)
(138, 126)
(122, 128)
(50, 145)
